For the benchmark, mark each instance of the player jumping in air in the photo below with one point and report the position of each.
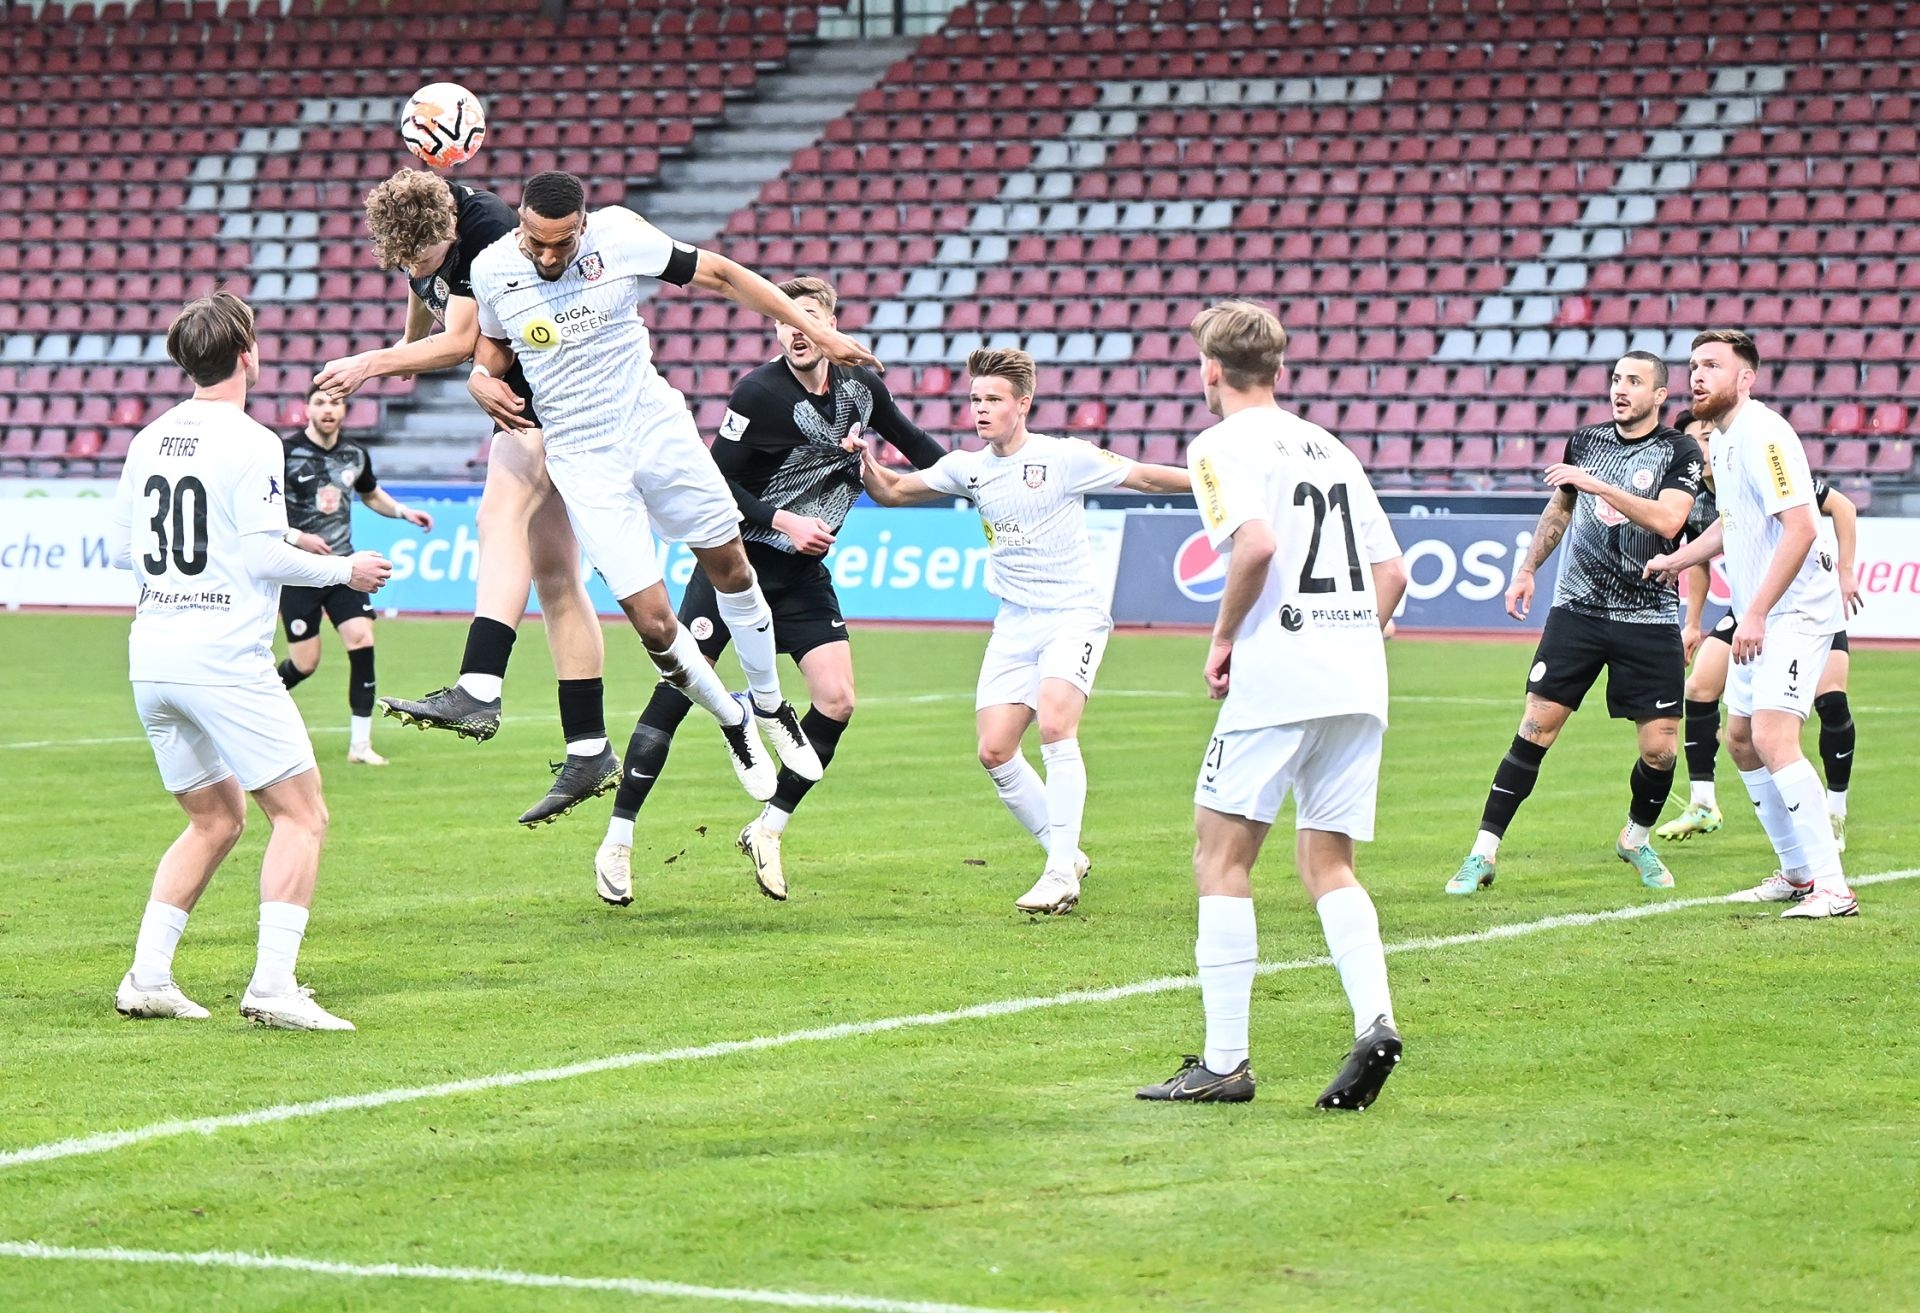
(1054, 616)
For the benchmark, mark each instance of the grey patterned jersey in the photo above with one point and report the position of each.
(1604, 553)
(321, 482)
(779, 445)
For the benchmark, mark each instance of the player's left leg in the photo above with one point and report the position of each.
(216, 815)
(736, 592)
(300, 612)
(1837, 735)
(352, 616)
(1646, 683)
(828, 670)
(1062, 703)
(1706, 681)
(288, 872)
(579, 660)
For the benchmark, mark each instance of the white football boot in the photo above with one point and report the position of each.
(1824, 903)
(763, 846)
(1053, 894)
(1776, 888)
(365, 756)
(167, 1001)
(295, 1011)
(613, 873)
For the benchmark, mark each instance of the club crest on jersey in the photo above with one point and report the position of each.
(441, 292)
(1035, 475)
(327, 499)
(1642, 480)
(592, 266)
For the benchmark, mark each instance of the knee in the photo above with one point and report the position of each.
(657, 628)
(1660, 758)
(835, 704)
(1740, 735)
(727, 568)
(995, 755)
(221, 830)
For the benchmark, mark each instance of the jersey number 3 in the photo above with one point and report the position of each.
(187, 543)
(1336, 496)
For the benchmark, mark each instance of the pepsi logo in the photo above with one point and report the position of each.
(1199, 572)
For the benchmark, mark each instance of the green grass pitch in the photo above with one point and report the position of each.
(1708, 1109)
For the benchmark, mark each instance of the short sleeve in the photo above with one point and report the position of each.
(1371, 525)
(259, 486)
(1820, 490)
(367, 481)
(1685, 469)
(490, 325)
(652, 252)
(1093, 469)
(1778, 467)
(1227, 498)
(948, 474)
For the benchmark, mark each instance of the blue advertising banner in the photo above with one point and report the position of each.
(1459, 567)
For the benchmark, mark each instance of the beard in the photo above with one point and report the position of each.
(1714, 404)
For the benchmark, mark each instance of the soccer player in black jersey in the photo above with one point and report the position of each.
(1707, 678)
(434, 229)
(781, 449)
(323, 469)
(1622, 496)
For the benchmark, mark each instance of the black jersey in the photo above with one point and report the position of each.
(479, 220)
(1602, 569)
(320, 481)
(779, 445)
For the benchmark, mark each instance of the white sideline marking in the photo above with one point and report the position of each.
(107, 1141)
(490, 1275)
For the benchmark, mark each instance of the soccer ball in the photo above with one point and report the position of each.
(443, 124)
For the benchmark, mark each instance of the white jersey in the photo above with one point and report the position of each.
(1036, 521)
(197, 481)
(1311, 646)
(586, 352)
(1760, 470)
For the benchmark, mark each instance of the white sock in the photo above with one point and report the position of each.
(282, 926)
(484, 687)
(1635, 835)
(1799, 787)
(161, 926)
(620, 830)
(751, 623)
(1066, 789)
(1226, 950)
(362, 731)
(1837, 804)
(586, 747)
(1352, 928)
(773, 820)
(1486, 844)
(682, 666)
(1026, 797)
(1701, 794)
(1775, 819)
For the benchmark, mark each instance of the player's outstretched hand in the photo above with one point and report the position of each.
(1562, 475)
(370, 571)
(342, 378)
(420, 520)
(843, 350)
(1520, 595)
(503, 407)
(811, 535)
(1219, 667)
(313, 542)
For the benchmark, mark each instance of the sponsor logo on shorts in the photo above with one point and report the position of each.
(1199, 572)
(701, 629)
(297, 628)
(1538, 673)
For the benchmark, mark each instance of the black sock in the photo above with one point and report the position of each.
(824, 733)
(1702, 738)
(583, 710)
(360, 681)
(291, 674)
(489, 645)
(1513, 780)
(1650, 789)
(647, 749)
(1836, 739)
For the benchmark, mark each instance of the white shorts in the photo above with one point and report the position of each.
(203, 733)
(1785, 674)
(1028, 646)
(661, 481)
(1332, 765)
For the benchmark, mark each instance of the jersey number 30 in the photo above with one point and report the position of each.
(187, 543)
(1336, 496)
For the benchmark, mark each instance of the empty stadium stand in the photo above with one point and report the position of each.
(1464, 211)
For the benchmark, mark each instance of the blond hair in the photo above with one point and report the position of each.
(1010, 363)
(1742, 344)
(208, 335)
(408, 213)
(818, 288)
(1247, 341)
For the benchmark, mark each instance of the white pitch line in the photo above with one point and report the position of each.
(108, 1141)
(488, 1275)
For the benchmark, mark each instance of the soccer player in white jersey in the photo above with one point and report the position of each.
(562, 293)
(1787, 598)
(1054, 617)
(1313, 574)
(201, 518)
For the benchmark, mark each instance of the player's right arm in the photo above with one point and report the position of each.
(417, 355)
(1547, 532)
(1839, 508)
(741, 285)
(260, 517)
(892, 488)
(120, 523)
(492, 358)
(419, 319)
(1699, 580)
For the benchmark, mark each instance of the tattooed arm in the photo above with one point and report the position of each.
(1546, 536)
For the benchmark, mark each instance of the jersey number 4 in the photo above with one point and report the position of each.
(1336, 496)
(187, 543)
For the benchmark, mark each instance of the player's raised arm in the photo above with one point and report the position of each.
(742, 286)
(892, 488)
(441, 350)
(1157, 478)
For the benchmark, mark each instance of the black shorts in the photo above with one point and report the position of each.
(1646, 664)
(300, 608)
(799, 592)
(1724, 627)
